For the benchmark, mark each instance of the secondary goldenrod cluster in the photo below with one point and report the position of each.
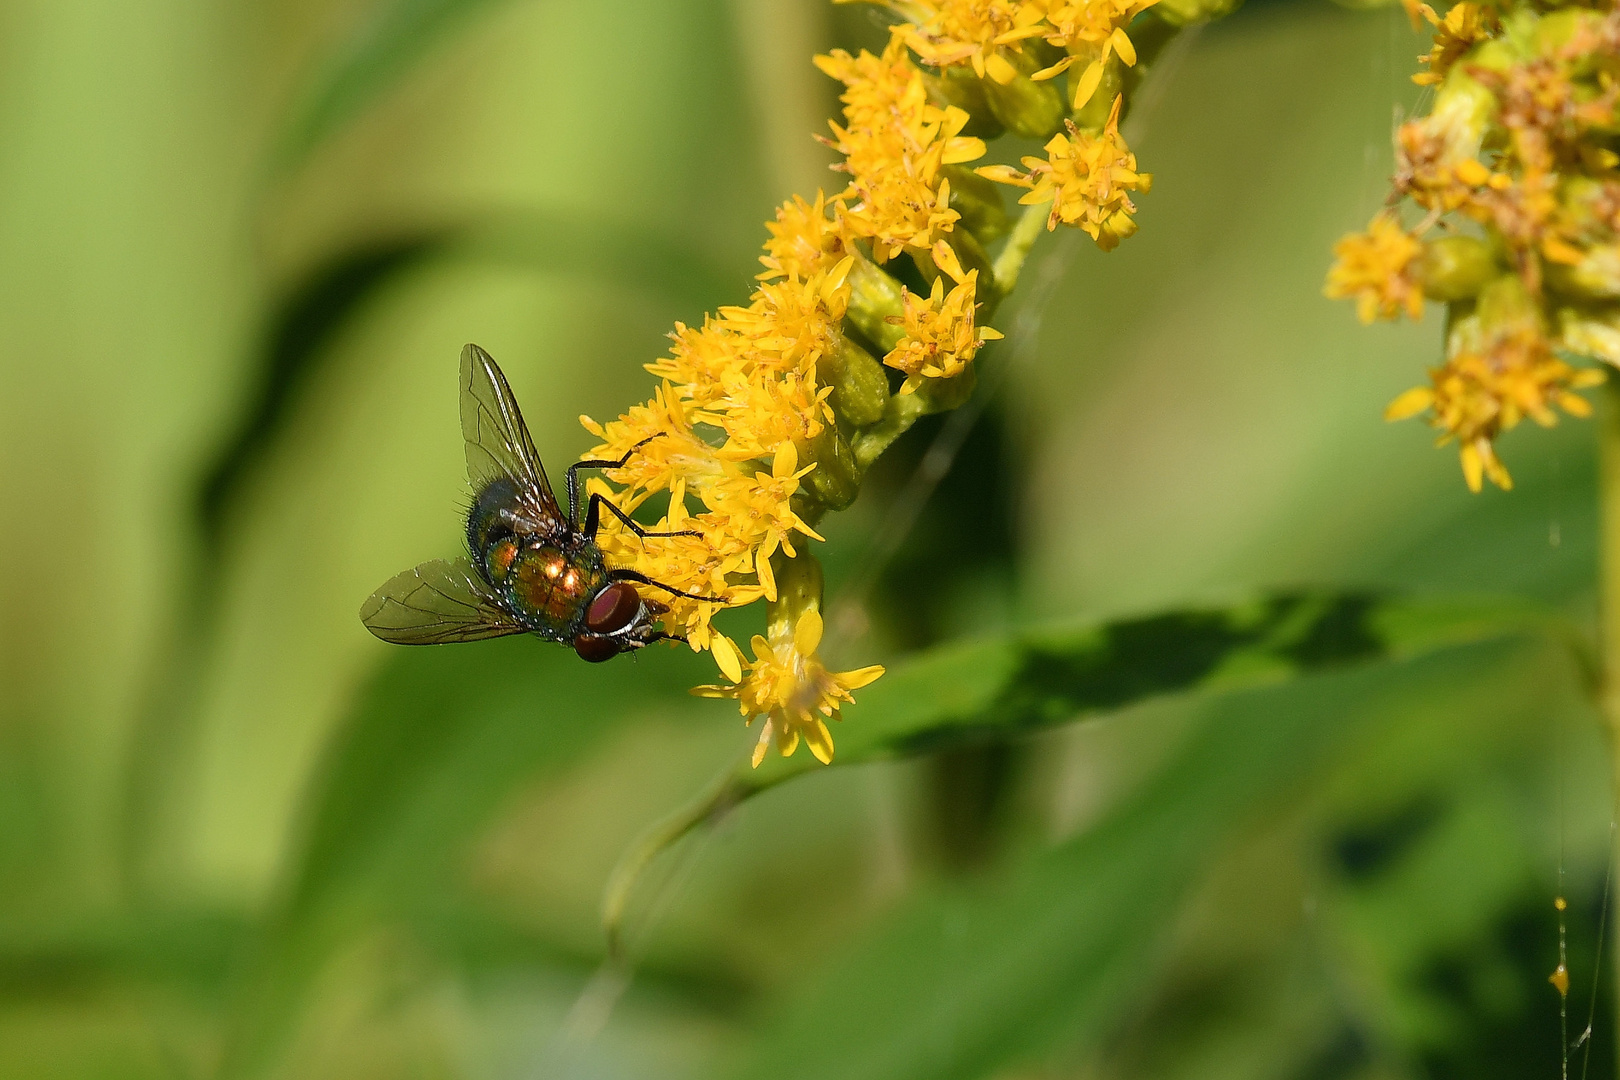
(1511, 179)
(867, 316)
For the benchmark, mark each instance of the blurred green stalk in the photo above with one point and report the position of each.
(1609, 614)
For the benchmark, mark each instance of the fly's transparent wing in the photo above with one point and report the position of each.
(498, 443)
(436, 603)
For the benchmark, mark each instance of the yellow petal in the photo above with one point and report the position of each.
(963, 149)
(1410, 403)
(1470, 171)
(854, 680)
(1088, 84)
(820, 740)
(712, 691)
(1004, 174)
(1056, 69)
(1122, 45)
(767, 580)
(807, 634)
(996, 66)
(725, 657)
(1575, 406)
(788, 741)
(1473, 468)
(946, 260)
(762, 744)
(786, 461)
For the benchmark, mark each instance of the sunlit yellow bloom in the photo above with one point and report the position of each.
(976, 32)
(1088, 179)
(1376, 268)
(940, 336)
(1464, 26)
(1477, 395)
(789, 685)
(894, 141)
(1092, 30)
(804, 240)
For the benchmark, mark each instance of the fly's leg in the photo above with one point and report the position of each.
(643, 579)
(593, 518)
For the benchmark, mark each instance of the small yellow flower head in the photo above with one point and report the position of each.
(940, 336)
(976, 32)
(894, 141)
(1464, 26)
(804, 240)
(1477, 395)
(1376, 268)
(1088, 179)
(789, 685)
(1094, 29)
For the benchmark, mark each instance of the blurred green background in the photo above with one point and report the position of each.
(241, 247)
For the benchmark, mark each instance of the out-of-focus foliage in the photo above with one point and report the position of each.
(243, 246)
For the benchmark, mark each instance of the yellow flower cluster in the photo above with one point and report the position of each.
(1375, 267)
(1087, 179)
(1477, 395)
(1520, 220)
(894, 141)
(767, 414)
(789, 685)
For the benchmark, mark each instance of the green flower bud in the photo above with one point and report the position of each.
(860, 388)
(1035, 110)
(1595, 277)
(874, 297)
(1455, 268)
(836, 480)
(960, 87)
(1593, 332)
(979, 202)
(943, 395)
(1505, 304)
(1183, 12)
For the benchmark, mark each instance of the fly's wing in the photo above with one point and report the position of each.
(498, 443)
(436, 603)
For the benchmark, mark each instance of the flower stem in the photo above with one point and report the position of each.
(724, 792)
(1609, 597)
(1011, 260)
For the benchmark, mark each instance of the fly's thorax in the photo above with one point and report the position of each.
(550, 582)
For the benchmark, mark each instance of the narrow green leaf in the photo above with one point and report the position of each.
(1005, 686)
(968, 979)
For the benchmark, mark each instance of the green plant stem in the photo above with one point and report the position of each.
(725, 791)
(1010, 262)
(1608, 683)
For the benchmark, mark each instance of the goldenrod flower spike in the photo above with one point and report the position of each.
(1512, 172)
(767, 414)
(792, 689)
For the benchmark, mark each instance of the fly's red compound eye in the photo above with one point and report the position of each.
(594, 648)
(614, 608)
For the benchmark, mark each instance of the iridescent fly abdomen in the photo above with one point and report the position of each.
(546, 576)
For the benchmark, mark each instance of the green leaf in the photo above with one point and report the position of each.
(1012, 685)
(967, 979)
(999, 687)
(377, 55)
